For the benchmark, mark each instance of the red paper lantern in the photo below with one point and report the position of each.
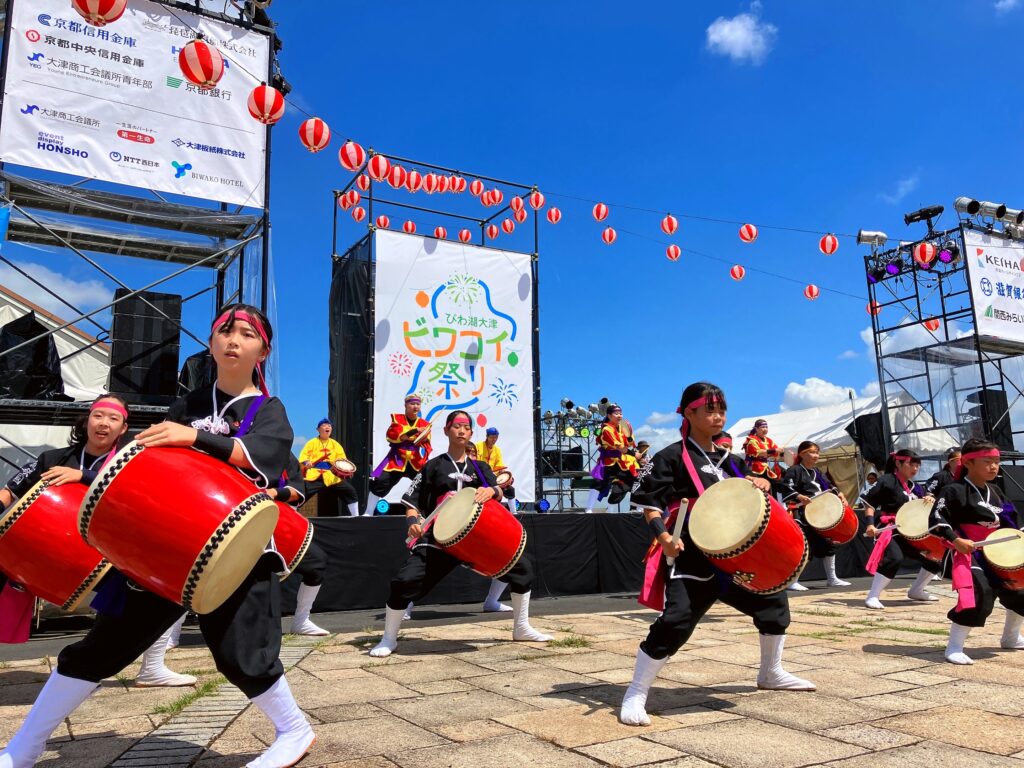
(485, 198)
(508, 226)
(536, 200)
(476, 187)
(465, 235)
(379, 167)
(458, 184)
(443, 183)
(673, 252)
(351, 156)
(812, 292)
(932, 324)
(201, 63)
(516, 203)
(353, 197)
(413, 180)
(266, 104)
(430, 183)
(737, 272)
(358, 213)
(99, 13)
(828, 245)
(409, 228)
(600, 211)
(554, 215)
(669, 224)
(396, 176)
(924, 254)
(314, 134)
(440, 233)
(520, 215)
(873, 308)
(363, 182)
(492, 231)
(383, 222)
(343, 202)
(748, 233)
(609, 235)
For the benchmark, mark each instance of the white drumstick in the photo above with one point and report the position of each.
(1004, 540)
(677, 531)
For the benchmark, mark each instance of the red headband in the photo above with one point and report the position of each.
(460, 419)
(989, 453)
(894, 457)
(704, 400)
(257, 326)
(112, 405)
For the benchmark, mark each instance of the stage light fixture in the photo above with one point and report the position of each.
(602, 406)
(923, 214)
(949, 252)
(995, 210)
(582, 412)
(585, 432)
(1013, 216)
(876, 275)
(543, 505)
(593, 408)
(567, 404)
(894, 267)
(570, 432)
(548, 415)
(1016, 231)
(967, 205)
(871, 237)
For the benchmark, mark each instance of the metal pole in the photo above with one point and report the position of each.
(265, 262)
(534, 274)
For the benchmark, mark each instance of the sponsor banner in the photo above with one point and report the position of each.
(111, 103)
(995, 268)
(453, 324)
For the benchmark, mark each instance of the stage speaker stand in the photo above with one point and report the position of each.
(144, 347)
(991, 416)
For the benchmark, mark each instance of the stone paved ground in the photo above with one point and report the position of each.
(460, 695)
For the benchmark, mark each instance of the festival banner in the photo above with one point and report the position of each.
(995, 268)
(454, 325)
(112, 103)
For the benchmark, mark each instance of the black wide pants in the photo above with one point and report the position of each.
(426, 566)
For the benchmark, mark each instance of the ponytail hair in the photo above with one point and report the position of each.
(897, 457)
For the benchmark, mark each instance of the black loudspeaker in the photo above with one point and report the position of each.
(144, 347)
(1011, 481)
(557, 462)
(869, 436)
(988, 417)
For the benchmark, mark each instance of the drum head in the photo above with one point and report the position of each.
(344, 465)
(726, 515)
(912, 518)
(824, 511)
(1008, 555)
(454, 515)
(503, 478)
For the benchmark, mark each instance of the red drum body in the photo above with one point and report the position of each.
(832, 519)
(193, 550)
(487, 537)
(745, 532)
(1007, 560)
(912, 525)
(292, 536)
(41, 549)
(343, 468)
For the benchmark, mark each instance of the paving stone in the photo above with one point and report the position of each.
(971, 728)
(427, 670)
(926, 754)
(532, 682)
(700, 715)
(473, 730)
(916, 677)
(868, 736)
(853, 684)
(384, 735)
(1001, 699)
(450, 708)
(806, 711)
(589, 662)
(626, 753)
(504, 752)
(579, 726)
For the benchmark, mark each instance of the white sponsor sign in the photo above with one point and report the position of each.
(454, 325)
(995, 268)
(111, 103)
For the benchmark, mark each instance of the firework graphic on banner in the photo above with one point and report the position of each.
(400, 363)
(504, 393)
(462, 289)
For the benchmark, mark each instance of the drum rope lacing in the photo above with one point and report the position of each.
(306, 541)
(23, 505)
(512, 563)
(86, 585)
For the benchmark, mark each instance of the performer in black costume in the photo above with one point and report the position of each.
(427, 563)
(946, 475)
(691, 583)
(244, 634)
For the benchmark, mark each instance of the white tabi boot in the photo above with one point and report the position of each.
(830, 573)
(392, 623)
(771, 676)
(1011, 639)
(592, 500)
(521, 629)
(879, 583)
(371, 505)
(175, 639)
(796, 586)
(917, 589)
(59, 698)
(955, 645)
(353, 509)
(492, 604)
(301, 624)
(407, 616)
(634, 703)
(154, 672)
(294, 735)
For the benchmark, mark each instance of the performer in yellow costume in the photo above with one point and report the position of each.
(317, 460)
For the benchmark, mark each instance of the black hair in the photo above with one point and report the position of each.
(890, 461)
(451, 417)
(80, 429)
(229, 321)
(805, 445)
(869, 474)
(978, 444)
(700, 389)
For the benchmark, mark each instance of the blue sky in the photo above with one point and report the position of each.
(821, 116)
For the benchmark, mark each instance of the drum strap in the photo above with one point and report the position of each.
(250, 416)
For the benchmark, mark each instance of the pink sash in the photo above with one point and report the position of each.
(881, 542)
(16, 607)
(963, 581)
(652, 593)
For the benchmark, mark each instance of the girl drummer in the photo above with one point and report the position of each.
(427, 563)
(93, 438)
(691, 584)
(802, 482)
(968, 510)
(244, 634)
(894, 489)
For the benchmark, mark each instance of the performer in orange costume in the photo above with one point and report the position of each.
(408, 453)
(617, 467)
(762, 453)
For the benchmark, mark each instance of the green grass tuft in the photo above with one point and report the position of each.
(204, 689)
(572, 641)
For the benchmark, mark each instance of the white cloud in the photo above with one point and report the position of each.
(298, 442)
(1003, 6)
(812, 393)
(743, 38)
(847, 355)
(84, 294)
(871, 389)
(903, 188)
(658, 437)
(657, 417)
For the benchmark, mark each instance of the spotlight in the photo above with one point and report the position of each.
(593, 408)
(924, 214)
(570, 432)
(967, 205)
(582, 412)
(602, 406)
(585, 432)
(1013, 216)
(548, 415)
(567, 404)
(876, 275)
(949, 252)
(894, 267)
(995, 210)
(1015, 231)
(872, 238)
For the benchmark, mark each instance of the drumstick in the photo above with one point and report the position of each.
(424, 525)
(423, 435)
(677, 531)
(882, 530)
(986, 542)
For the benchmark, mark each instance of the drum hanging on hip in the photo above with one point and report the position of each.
(485, 536)
(1007, 560)
(748, 534)
(912, 525)
(343, 468)
(503, 478)
(194, 550)
(41, 549)
(833, 520)
(292, 536)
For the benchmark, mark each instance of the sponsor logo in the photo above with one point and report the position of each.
(137, 162)
(1001, 262)
(174, 82)
(988, 311)
(44, 19)
(212, 149)
(223, 180)
(30, 109)
(986, 286)
(136, 136)
(36, 57)
(33, 36)
(52, 142)
(180, 169)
